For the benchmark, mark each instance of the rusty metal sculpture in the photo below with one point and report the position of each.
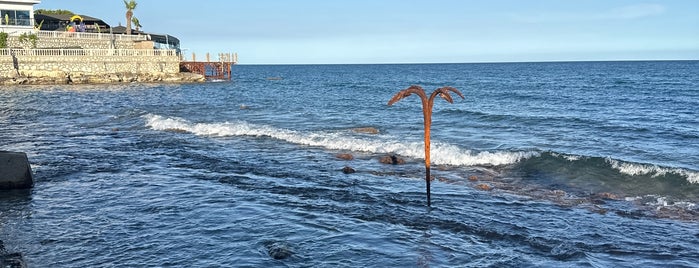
(427, 104)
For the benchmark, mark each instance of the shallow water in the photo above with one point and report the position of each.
(590, 164)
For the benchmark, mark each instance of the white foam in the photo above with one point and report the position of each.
(441, 153)
(634, 169)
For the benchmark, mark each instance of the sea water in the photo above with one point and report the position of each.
(541, 164)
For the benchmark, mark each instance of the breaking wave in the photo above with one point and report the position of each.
(571, 167)
(441, 154)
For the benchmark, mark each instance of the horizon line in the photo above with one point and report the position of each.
(474, 62)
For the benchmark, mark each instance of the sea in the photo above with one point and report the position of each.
(553, 164)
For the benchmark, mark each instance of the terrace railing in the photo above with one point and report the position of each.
(90, 52)
(103, 36)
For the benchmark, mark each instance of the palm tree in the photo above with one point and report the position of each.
(427, 104)
(130, 6)
(136, 23)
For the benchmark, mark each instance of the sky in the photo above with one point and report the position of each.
(412, 31)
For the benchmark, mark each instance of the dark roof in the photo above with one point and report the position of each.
(66, 18)
(158, 38)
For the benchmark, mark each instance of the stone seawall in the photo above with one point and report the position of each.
(30, 67)
(73, 42)
(86, 64)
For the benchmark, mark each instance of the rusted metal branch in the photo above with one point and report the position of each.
(427, 105)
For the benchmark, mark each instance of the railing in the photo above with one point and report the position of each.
(16, 22)
(104, 36)
(89, 52)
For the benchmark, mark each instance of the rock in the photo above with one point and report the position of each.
(10, 260)
(558, 193)
(608, 196)
(392, 160)
(279, 250)
(484, 187)
(15, 171)
(37, 77)
(473, 178)
(12, 74)
(348, 170)
(366, 130)
(345, 156)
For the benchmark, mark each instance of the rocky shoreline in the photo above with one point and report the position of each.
(63, 78)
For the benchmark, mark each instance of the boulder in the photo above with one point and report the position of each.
(15, 171)
(10, 260)
(344, 156)
(366, 130)
(391, 160)
(279, 250)
(484, 187)
(348, 170)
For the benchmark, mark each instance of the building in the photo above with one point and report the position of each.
(160, 41)
(17, 16)
(61, 22)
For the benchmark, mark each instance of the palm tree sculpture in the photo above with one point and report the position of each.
(427, 104)
(130, 6)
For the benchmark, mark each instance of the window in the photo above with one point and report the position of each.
(15, 17)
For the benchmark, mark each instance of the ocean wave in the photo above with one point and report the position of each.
(441, 153)
(635, 169)
(573, 167)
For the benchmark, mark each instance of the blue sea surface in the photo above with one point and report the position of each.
(576, 164)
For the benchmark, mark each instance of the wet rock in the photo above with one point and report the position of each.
(176, 130)
(473, 178)
(15, 171)
(345, 156)
(348, 170)
(10, 260)
(60, 78)
(598, 210)
(391, 160)
(484, 187)
(442, 179)
(558, 193)
(366, 130)
(608, 196)
(279, 250)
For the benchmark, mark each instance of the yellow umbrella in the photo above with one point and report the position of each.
(76, 17)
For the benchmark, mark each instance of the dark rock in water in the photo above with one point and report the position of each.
(608, 196)
(345, 156)
(473, 178)
(15, 171)
(10, 260)
(366, 130)
(484, 187)
(348, 170)
(392, 160)
(279, 250)
(176, 130)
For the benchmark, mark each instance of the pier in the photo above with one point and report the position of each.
(220, 69)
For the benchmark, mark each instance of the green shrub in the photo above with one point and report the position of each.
(3, 39)
(28, 38)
